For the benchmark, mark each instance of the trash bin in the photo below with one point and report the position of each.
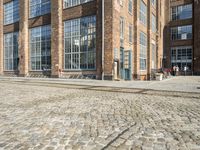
(159, 76)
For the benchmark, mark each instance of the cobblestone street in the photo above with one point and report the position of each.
(53, 117)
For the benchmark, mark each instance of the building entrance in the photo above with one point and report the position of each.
(125, 64)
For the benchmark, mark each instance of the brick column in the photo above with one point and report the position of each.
(166, 35)
(108, 44)
(23, 38)
(116, 38)
(196, 26)
(136, 54)
(56, 37)
(99, 39)
(1, 37)
(149, 39)
(159, 23)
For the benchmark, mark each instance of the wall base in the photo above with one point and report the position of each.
(108, 77)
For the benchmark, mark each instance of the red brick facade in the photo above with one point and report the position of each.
(194, 42)
(196, 53)
(114, 10)
(1, 37)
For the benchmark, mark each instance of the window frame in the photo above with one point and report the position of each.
(88, 53)
(130, 7)
(177, 12)
(77, 3)
(154, 3)
(175, 32)
(122, 31)
(154, 54)
(38, 41)
(153, 23)
(39, 6)
(10, 48)
(178, 55)
(142, 14)
(143, 51)
(130, 33)
(9, 17)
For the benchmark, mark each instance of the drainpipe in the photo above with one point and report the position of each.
(103, 15)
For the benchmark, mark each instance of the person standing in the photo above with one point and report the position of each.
(174, 71)
(185, 70)
(177, 70)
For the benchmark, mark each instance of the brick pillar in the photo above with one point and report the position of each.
(116, 37)
(99, 39)
(161, 13)
(1, 37)
(23, 38)
(108, 47)
(149, 39)
(136, 54)
(56, 37)
(196, 51)
(166, 35)
(159, 36)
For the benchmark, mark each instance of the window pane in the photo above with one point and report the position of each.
(11, 12)
(39, 7)
(71, 3)
(40, 48)
(181, 32)
(153, 23)
(181, 56)
(143, 51)
(80, 43)
(11, 58)
(182, 12)
(143, 13)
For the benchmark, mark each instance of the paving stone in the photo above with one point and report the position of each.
(48, 117)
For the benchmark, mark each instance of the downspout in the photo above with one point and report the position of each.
(103, 15)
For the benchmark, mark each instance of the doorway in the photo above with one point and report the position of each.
(125, 64)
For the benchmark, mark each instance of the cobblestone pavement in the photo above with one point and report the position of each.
(179, 83)
(36, 116)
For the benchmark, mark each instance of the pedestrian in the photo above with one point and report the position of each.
(177, 70)
(185, 70)
(174, 71)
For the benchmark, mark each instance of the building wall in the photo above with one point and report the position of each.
(1, 37)
(151, 36)
(138, 27)
(196, 54)
(113, 11)
(87, 9)
(121, 11)
(56, 18)
(24, 38)
(166, 35)
(194, 42)
(161, 5)
(57, 37)
(6, 29)
(113, 32)
(108, 40)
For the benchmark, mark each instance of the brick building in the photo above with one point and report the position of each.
(182, 35)
(76, 39)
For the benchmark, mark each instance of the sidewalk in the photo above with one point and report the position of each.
(181, 83)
